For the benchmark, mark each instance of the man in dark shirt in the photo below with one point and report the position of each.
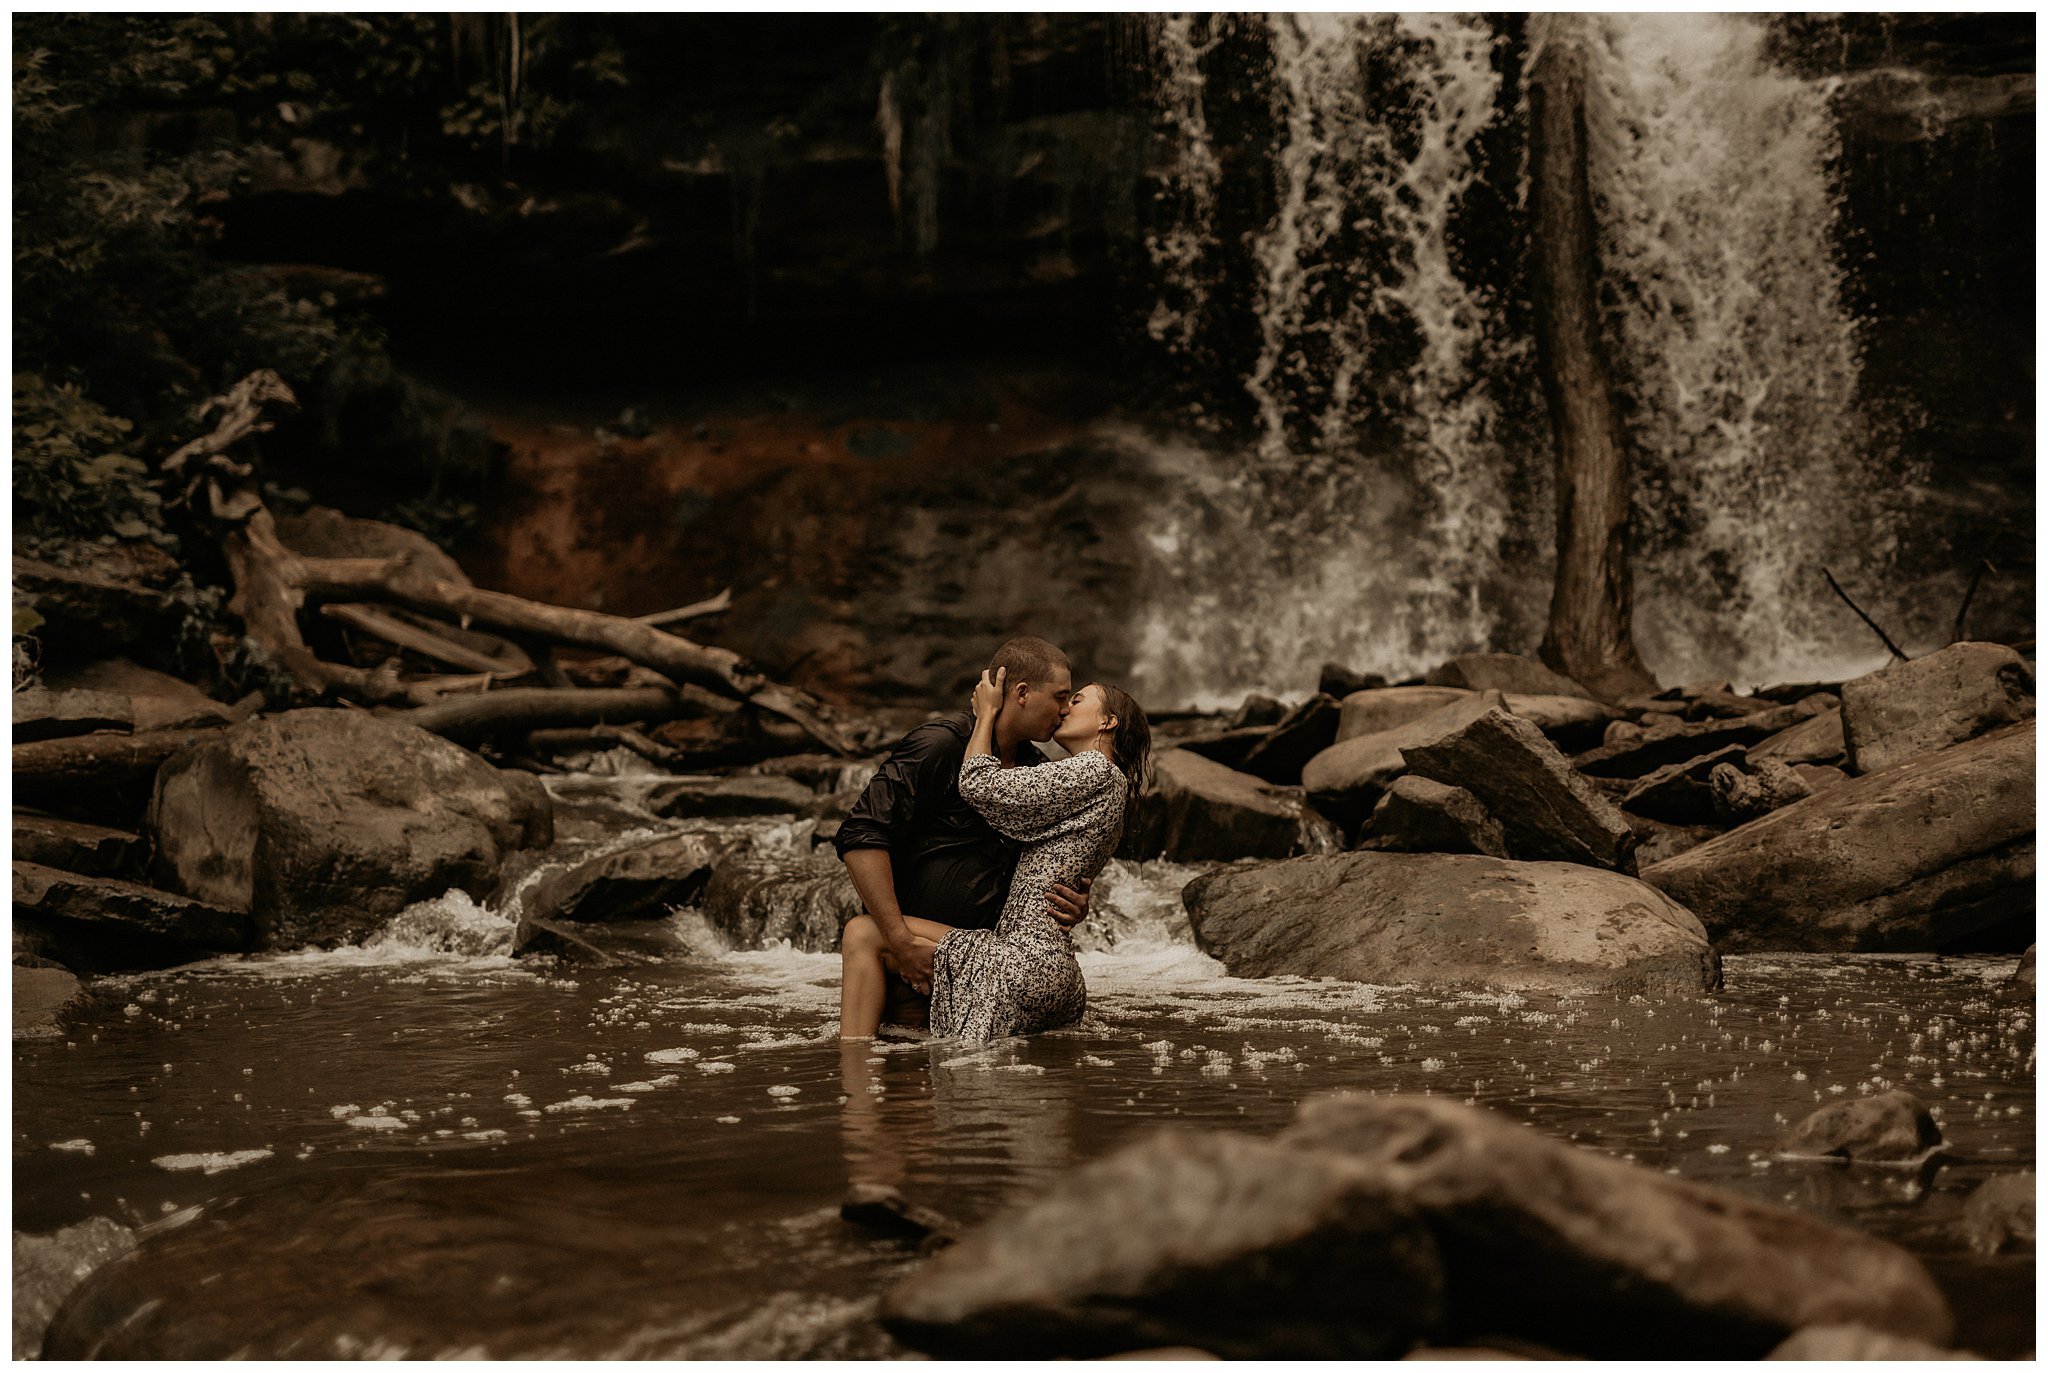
(913, 846)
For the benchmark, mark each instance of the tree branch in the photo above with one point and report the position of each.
(1896, 651)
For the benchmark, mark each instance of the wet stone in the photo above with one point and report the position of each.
(1418, 815)
(40, 713)
(702, 797)
(1999, 1215)
(755, 901)
(1818, 740)
(1298, 736)
(48, 1268)
(40, 996)
(106, 924)
(76, 846)
(1199, 810)
(1889, 1128)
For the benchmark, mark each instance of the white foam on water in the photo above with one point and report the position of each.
(589, 1103)
(73, 1146)
(210, 1163)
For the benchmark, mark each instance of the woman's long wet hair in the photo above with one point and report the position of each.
(1131, 742)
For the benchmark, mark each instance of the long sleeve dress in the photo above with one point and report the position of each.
(1021, 976)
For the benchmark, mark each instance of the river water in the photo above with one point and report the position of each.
(424, 1147)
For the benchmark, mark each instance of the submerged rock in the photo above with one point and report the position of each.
(1445, 918)
(106, 924)
(1234, 1245)
(1594, 1256)
(1906, 860)
(1545, 808)
(48, 1268)
(1198, 810)
(324, 823)
(1932, 702)
(1418, 815)
(1999, 1215)
(1889, 1128)
(1859, 1342)
(41, 995)
(756, 900)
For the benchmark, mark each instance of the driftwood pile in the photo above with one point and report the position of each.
(500, 680)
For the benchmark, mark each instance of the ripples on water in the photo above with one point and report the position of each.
(419, 1146)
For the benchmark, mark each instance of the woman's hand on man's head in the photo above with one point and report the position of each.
(988, 694)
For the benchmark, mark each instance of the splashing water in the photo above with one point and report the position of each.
(1389, 508)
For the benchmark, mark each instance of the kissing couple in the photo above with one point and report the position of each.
(973, 852)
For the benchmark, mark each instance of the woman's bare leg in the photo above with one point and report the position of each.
(864, 963)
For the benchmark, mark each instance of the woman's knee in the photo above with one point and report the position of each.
(862, 936)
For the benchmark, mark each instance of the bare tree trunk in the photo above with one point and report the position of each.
(1588, 639)
(518, 710)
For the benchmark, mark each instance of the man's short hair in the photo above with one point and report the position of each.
(1028, 659)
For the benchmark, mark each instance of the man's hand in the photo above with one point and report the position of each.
(913, 962)
(1067, 905)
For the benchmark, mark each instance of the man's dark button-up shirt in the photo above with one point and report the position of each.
(949, 865)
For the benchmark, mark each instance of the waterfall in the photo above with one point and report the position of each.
(1386, 501)
(1366, 516)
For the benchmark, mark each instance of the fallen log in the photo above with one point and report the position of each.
(424, 642)
(710, 606)
(524, 709)
(89, 768)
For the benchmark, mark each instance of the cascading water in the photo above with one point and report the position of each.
(1390, 506)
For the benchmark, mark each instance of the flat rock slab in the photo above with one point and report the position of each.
(1818, 740)
(1931, 702)
(325, 823)
(1230, 1244)
(755, 901)
(1448, 918)
(690, 798)
(1300, 735)
(1197, 810)
(1891, 1127)
(1906, 860)
(1595, 1256)
(76, 846)
(1420, 816)
(1385, 708)
(1680, 794)
(104, 924)
(644, 882)
(40, 713)
(1544, 807)
(1656, 748)
(40, 996)
(1562, 717)
(156, 700)
(1504, 672)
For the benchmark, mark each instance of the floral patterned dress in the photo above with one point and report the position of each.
(1021, 976)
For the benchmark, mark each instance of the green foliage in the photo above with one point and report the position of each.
(73, 474)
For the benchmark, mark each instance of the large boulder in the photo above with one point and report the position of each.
(1859, 1343)
(1197, 810)
(1345, 780)
(1384, 708)
(1545, 808)
(1595, 1256)
(1928, 703)
(324, 823)
(1234, 1245)
(1449, 918)
(1504, 672)
(1420, 816)
(48, 1268)
(1909, 859)
(758, 900)
(104, 924)
(1890, 1127)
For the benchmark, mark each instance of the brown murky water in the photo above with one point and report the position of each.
(423, 1148)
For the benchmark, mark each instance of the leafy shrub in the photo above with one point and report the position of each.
(73, 474)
